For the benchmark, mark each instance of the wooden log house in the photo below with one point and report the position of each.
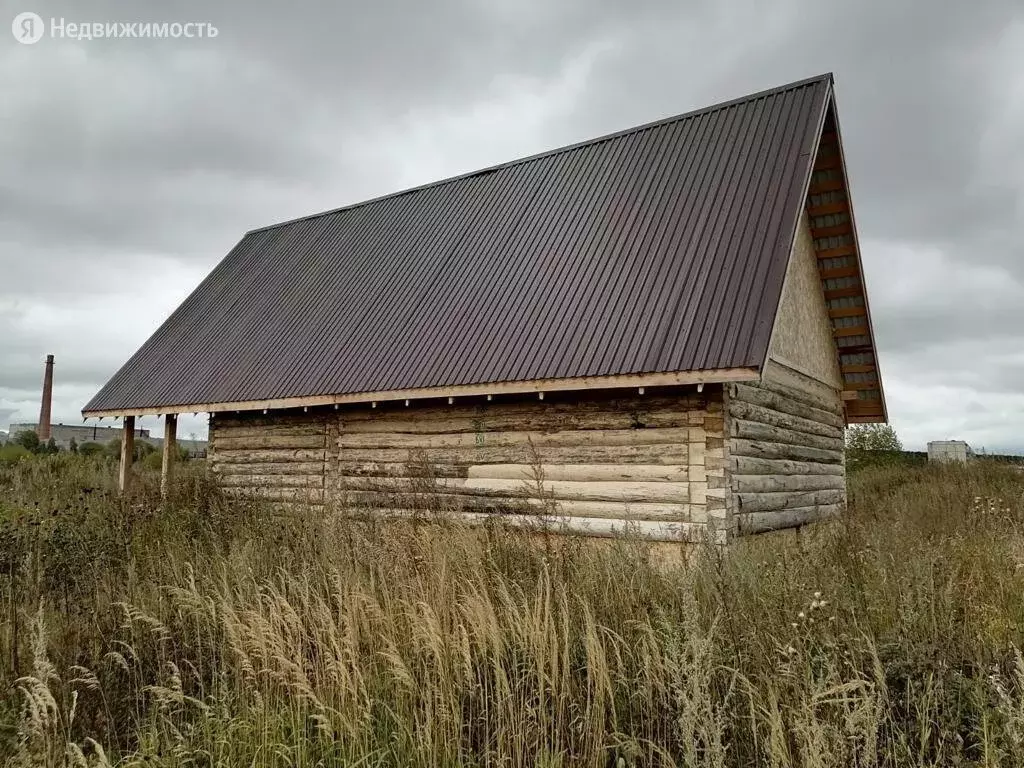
(663, 329)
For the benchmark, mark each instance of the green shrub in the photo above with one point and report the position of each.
(12, 453)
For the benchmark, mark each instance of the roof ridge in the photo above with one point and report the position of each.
(827, 76)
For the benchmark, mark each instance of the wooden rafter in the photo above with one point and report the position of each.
(858, 408)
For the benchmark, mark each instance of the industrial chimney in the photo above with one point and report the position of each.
(44, 409)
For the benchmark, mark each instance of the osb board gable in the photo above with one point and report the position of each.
(802, 336)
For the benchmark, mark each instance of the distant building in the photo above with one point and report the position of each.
(63, 434)
(949, 450)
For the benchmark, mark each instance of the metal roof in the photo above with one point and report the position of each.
(657, 249)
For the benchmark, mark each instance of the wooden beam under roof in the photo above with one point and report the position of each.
(830, 160)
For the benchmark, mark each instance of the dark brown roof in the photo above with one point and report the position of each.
(657, 249)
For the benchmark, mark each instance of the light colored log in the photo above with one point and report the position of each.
(769, 450)
(598, 527)
(296, 495)
(672, 493)
(767, 399)
(578, 406)
(124, 478)
(396, 469)
(762, 522)
(751, 412)
(499, 418)
(272, 481)
(225, 442)
(540, 440)
(785, 381)
(268, 455)
(269, 468)
(748, 465)
(665, 473)
(170, 453)
(754, 430)
(770, 502)
(270, 430)
(501, 504)
(787, 483)
(522, 454)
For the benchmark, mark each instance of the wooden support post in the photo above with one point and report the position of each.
(170, 452)
(127, 452)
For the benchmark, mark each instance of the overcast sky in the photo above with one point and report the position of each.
(128, 168)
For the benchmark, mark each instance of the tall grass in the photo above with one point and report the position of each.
(208, 632)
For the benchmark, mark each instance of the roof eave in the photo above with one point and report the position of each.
(581, 384)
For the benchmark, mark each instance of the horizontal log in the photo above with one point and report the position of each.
(540, 440)
(768, 450)
(522, 454)
(627, 492)
(397, 469)
(577, 508)
(416, 421)
(272, 481)
(296, 495)
(765, 398)
(225, 468)
(666, 473)
(270, 441)
(225, 456)
(762, 522)
(755, 430)
(770, 502)
(751, 412)
(748, 465)
(672, 493)
(787, 483)
(533, 408)
(598, 527)
(785, 381)
(286, 429)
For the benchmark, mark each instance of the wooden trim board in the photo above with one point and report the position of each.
(678, 378)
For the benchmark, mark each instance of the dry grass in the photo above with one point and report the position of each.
(210, 633)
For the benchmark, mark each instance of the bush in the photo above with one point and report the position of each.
(28, 440)
(153, 460)
(91, 449)
(12, 453)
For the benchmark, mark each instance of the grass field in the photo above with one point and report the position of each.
(209, 633)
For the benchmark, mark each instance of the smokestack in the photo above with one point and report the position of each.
(44, 409)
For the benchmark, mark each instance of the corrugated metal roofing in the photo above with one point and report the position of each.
(657, 249)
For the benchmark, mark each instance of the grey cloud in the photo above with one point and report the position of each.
(129, 167)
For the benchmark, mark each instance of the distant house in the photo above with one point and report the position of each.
(949, 451)
(665, 328)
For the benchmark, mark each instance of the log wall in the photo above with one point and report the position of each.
(594, 463)
(785, 450)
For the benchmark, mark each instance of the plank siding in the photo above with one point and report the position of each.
(786, 459)
(593, 463)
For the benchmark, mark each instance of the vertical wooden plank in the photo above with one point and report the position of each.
(127, 453)
(170, 452)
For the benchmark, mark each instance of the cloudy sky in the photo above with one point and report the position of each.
(128, 168)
